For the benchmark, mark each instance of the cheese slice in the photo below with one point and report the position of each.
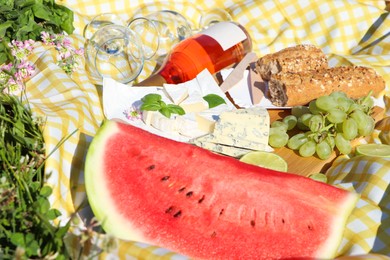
(194, 103)
(159, 121)
(246, 129)
(204, 142)
(250, 124)
(176, 93)
(188, 125)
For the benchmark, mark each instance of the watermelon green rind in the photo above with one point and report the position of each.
(96, 189)
(130, 199)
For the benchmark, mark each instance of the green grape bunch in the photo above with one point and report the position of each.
(328, 123)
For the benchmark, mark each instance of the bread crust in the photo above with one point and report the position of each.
(298, 58)
(288, 89)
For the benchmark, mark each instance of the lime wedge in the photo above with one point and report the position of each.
(378, 150)
(265, 159)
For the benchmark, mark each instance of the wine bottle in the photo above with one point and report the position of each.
(215, 48)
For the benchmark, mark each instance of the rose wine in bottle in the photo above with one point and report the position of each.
(215, 48)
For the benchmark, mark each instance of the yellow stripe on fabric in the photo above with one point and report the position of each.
(366, 230)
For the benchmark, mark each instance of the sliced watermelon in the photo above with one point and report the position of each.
(178, 196)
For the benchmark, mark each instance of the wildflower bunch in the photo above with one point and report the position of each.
(69, 58)
(13, 74)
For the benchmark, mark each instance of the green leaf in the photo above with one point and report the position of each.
(175, 109)
(45, 191)
(166, 112)
(214, 100)
(53, 214)
(151, 98)
(17, 239)
(150, 107)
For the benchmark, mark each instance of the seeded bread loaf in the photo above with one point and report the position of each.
(298, 58)
(293, 89)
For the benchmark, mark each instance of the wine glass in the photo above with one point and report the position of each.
(171, 26)
(100, 21)
(213, 16)
(148, 33)
(114, 51)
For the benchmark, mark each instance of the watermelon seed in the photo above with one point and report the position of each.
(177, 214)
(201, 199)
(189, 194)
(169, 210)
(309, 227)
(253, 223)
(151, 167)
(165, 178)
(283, 220)
(214, 234)
(221, 212)
(181, 189)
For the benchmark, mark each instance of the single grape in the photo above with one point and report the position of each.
(291, 121)
(278, 139)
(306, 119)
(336, 116)
(316, 123)
(326, 103)
(342, 144)
(276, 130)
(314, 109)
(323, 150)
(350, 129)
(279, 124)
(296, 141)
(307, 149)
(354, 107)
(365, 123)
(344, 103)
(297, 111)
(368, 127)
(337, 94)
(303, 121)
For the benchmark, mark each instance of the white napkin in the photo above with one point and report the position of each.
(119, 100)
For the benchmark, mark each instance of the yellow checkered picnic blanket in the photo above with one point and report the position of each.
(349, 32)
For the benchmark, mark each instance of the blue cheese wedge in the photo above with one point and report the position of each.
(206, 143)
(246, 129)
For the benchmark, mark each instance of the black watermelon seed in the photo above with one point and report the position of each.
(214, 234)
(221, 212)
(165, 178)
(181, 189)
(169, 210)
(189, 194)
(177, 214)
(253, 223)
(201, 199)
(151, 167)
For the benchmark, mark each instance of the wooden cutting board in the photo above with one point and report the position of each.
(308, 165)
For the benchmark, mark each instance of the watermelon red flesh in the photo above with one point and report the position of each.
(150, 189)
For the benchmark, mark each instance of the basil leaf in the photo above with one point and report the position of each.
(151, 98)
(175, 109)
(150, 106)
(166, 112)
(214, 100)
